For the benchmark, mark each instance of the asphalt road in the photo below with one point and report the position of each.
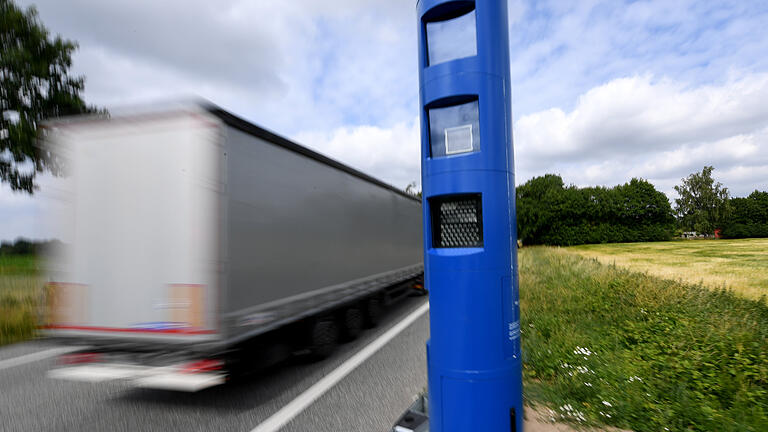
(369, 398)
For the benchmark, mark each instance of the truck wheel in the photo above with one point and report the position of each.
(352, 319)
(372, 313)
(324, 337)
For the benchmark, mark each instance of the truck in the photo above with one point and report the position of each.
(200, 246)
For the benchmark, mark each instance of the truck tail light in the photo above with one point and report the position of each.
(79, 358)
(206, 365)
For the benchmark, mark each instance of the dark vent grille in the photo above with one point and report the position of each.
(457, 221)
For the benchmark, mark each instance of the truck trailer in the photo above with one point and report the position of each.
(199, 245)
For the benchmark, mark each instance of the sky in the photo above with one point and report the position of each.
(602, 91)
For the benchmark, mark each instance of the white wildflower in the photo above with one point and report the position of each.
(583, 351)
(606, 403)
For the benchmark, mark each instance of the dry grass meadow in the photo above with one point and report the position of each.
(20, 293)
(740, 265)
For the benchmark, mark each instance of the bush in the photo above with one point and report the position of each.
(738, 230)
(748, 218)
(550, 213)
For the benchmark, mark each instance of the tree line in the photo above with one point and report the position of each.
(548, 212)
(748, 217)
(706, 206)
(23, 246)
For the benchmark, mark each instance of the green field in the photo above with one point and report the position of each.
(20, 286)
(740, 265)
(605, 345)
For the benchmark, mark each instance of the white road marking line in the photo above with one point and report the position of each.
(36, 356)
(296, 406)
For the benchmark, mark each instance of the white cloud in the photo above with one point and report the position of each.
(390, 154)
(660, 130)
(290, 66)
(561, 49)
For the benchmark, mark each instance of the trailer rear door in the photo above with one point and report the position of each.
(139, 213)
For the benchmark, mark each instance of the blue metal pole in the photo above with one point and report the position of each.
(470, 238)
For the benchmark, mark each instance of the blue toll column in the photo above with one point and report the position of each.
(470, 233)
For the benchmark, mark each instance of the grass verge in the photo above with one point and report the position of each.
(604, 345)
(19, 298)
